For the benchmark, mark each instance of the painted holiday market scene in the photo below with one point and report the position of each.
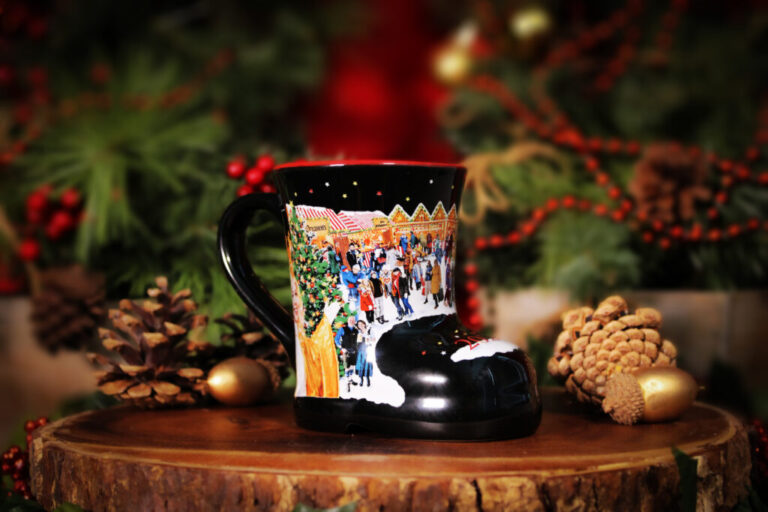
(383, 255)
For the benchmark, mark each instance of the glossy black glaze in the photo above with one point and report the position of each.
(483, 398)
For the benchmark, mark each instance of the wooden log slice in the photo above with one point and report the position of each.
(257, 459)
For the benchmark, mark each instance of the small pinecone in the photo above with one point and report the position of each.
(246, 336)
(69, 308)
(596, 344)
(667, 182)
(151, 339)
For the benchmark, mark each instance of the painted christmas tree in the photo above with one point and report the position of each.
(317, 285)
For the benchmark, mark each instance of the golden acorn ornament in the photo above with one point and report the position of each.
(242, 381)
(596, 344)
(649, 395)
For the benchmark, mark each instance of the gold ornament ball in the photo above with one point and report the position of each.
(452, 64)
(649, 395)
(241, 381)
(530, 22)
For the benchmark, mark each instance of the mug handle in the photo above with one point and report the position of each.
(234, 258)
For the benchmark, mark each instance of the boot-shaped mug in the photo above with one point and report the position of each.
(374, 336)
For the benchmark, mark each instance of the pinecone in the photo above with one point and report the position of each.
(246, 336)
(68, 309)
(667, 183)
(596, 344)
(151, 339)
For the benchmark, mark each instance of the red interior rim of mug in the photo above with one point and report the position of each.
(344, 163)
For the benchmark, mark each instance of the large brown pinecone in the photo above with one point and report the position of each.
(245, 336)
(595, 344)
(667, 182)
(69, 308)
(152, 340)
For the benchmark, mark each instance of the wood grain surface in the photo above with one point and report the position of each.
(257, 459)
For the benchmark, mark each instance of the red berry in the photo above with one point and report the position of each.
(42, 421)
(470, 269)
(726, 165)
(473, 302)
(618, 215)
(714, 235)
(29, 250)
(254, 176)
(267, 188)
(647, 237)
(742, 172)
(528, 228)
(601, 209)
(236, 168)
(594, 144)
(614, 192)
(753, 224)
(496, 240)
(626, 205)
(585, 205)
(244, 190)
(266, 163)
(592, 164)
(70, 198)
(602, 179)
(471, 286)
(676, 231)
(632, 147)
(712, 213)
(481, 243)
(664, 243)
(569, 202)
(734, 230)
(538, 214)
(63, 220)
(726, 181)
(20, 465)
(613, 145)
(29, 426)
(36, 201)
(657, 225)
(28, 438)
(475, 321)
(721, 197)
(763, 178)
(513, 237)
(695, 233)
(552, 204)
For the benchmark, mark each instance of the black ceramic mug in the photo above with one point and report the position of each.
(374, 335)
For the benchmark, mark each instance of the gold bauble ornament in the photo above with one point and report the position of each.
(242, 381)
(530, 22)
(649, 394)
(452, 64)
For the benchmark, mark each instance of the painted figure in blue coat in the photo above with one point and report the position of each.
(403, 244)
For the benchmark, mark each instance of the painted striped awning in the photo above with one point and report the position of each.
(338, 222)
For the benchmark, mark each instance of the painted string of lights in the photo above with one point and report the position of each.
(549, 123)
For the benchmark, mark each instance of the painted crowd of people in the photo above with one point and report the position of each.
(409, 269)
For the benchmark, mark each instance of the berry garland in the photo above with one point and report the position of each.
(550, 123)
(15, 461)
